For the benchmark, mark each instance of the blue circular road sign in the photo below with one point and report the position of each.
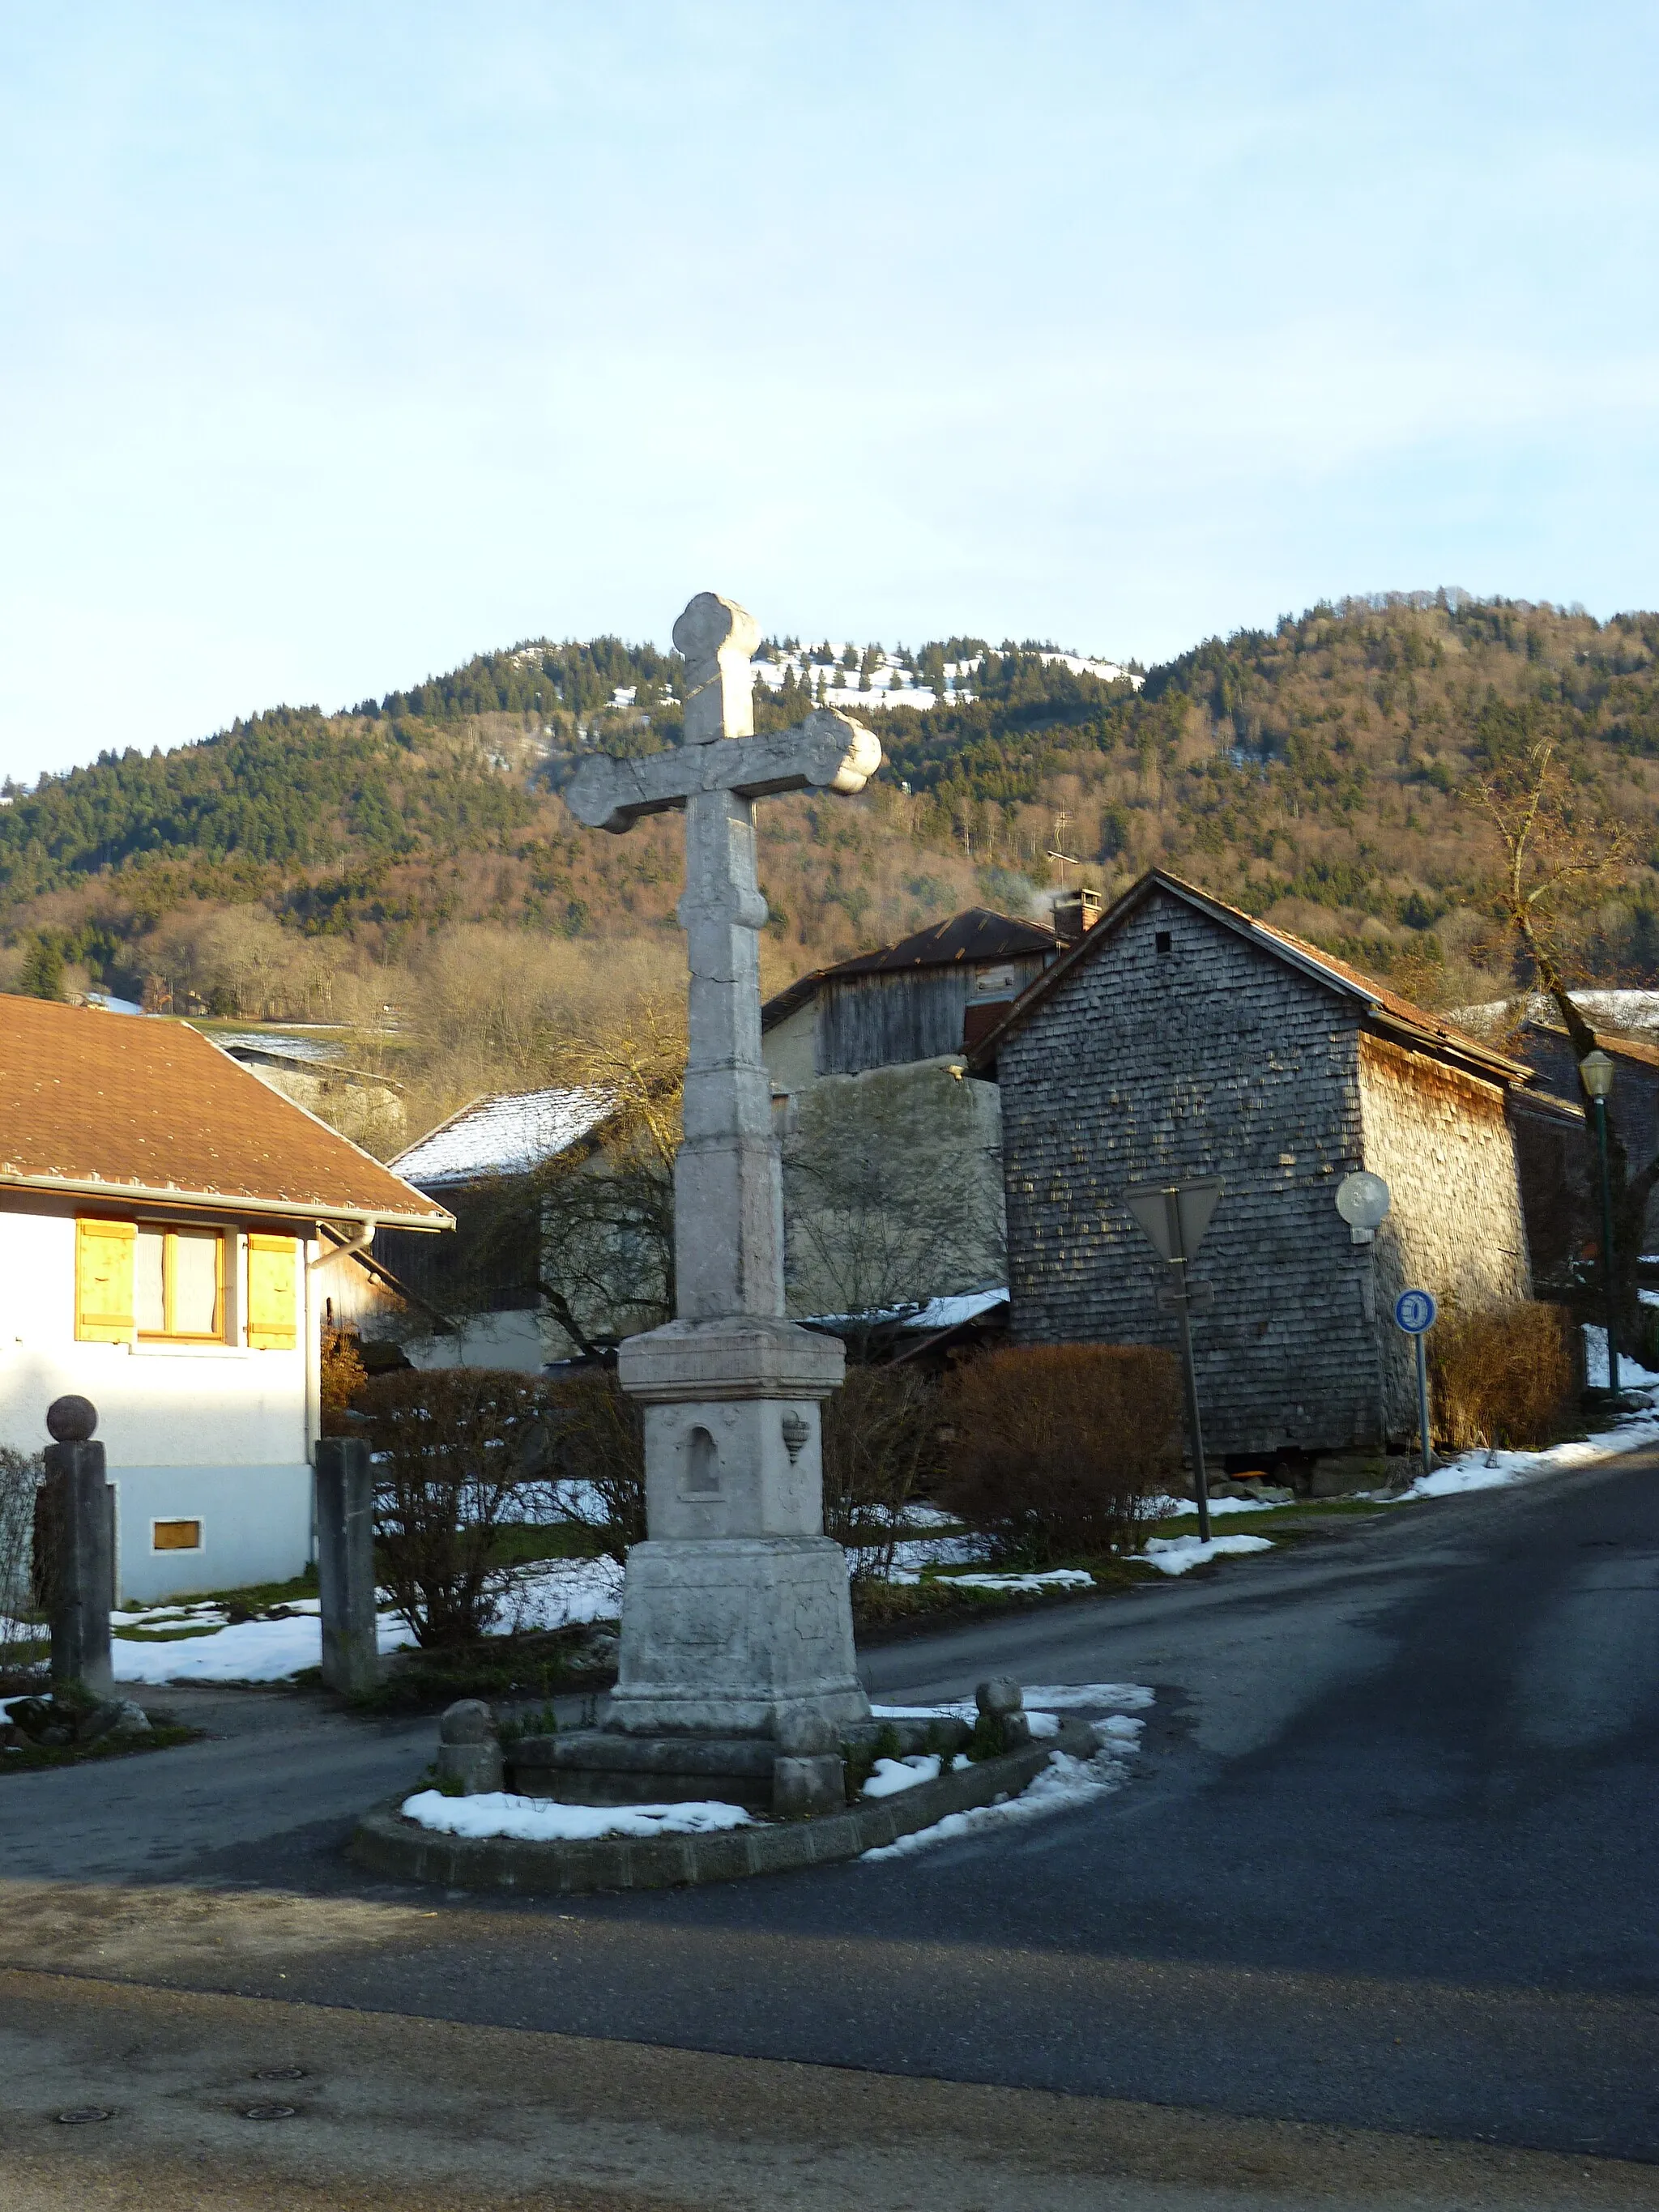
(1414, 1311)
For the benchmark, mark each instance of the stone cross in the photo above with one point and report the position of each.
(726, 1179)
(735, 1611)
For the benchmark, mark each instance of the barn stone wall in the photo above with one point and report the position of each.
(1442, 1141)
(1212, 1057)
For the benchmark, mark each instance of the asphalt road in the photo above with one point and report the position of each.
(1389, 1860)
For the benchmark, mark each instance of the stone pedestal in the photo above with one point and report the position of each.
(735, 1611)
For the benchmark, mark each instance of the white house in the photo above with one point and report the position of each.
(169, 1228)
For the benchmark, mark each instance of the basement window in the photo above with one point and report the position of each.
(1163, 941)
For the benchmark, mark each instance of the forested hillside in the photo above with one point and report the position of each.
(1314, 773)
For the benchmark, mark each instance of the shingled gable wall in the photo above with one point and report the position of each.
(1219, 1058)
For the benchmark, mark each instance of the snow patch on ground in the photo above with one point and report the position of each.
(1178, 1555)
(1166, 1508)
(552, 1594)
(892, 1775)
(1065, 1784)
(1050, 1578)
(964, 1710)
(562, 1594)
(1499, 1470)
(912, 1554)
(1090, 1697)
(246, 1651)
(1631, 1376)
(538, 1821)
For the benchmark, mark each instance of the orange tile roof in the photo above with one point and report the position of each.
(127, 1106)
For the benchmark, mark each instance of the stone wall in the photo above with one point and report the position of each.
(1442, 1143)
(1210, 1057)
(892, 1188)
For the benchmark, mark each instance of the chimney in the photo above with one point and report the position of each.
(1075, 912)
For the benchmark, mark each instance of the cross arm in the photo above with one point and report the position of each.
(828, 751)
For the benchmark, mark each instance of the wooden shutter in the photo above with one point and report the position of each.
(272, 1293)
(103, 1281)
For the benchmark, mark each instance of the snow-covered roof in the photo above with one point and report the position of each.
(278, 1042)
(951, 1313)
(948, 1312)
(1617, 1009)
(509, 1133)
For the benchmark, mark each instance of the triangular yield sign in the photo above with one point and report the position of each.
(1148, 1202)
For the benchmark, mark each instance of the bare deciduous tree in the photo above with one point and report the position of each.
(1561, 851)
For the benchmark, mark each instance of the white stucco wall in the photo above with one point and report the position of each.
(210, 1432)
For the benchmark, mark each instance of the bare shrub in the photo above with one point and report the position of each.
(595, 1460)
(881, 1452)
(1500, 1377)
(1056, 1448)
(21, 1475)
(454, 1462)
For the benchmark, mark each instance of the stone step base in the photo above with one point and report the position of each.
(390, 1846)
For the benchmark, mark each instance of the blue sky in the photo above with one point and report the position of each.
(339, 342)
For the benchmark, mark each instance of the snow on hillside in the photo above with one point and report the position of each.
(889, 682)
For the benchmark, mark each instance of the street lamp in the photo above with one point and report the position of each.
(1596, 1072)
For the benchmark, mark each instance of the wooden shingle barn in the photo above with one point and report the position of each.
(1179, 1037)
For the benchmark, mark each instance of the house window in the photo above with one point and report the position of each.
(1163, 941)
(178, 1284)
(165, 1285)
(175, 1535)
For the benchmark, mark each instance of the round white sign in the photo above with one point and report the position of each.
(1362, 1199)
(1414, 1311)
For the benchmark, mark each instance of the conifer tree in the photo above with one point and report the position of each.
(42, 973)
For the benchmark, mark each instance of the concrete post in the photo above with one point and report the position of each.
(77, 1522)
(346, 1564)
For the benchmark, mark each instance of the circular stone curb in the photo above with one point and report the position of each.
(387, 1843)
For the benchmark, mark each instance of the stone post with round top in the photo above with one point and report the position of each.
(75, 1544)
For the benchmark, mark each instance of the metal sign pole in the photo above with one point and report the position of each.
(1189, 1372)
(1415, 1311)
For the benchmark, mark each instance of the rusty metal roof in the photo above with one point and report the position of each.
(977, 934)
(97, 1105)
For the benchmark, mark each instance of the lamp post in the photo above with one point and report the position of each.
(1596, 1072)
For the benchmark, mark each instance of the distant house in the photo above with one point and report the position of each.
(168, 1230)
(486, 1281)
(1181, 1038)
(892, 1159)
(312, 1070)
